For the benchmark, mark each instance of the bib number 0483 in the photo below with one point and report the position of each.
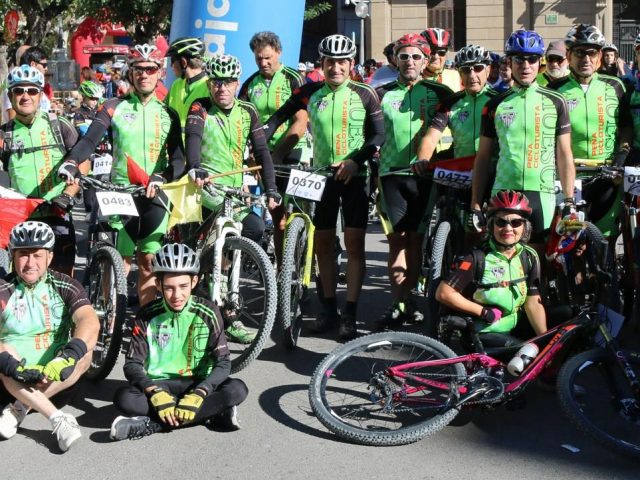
(306, 185)
(116, 203)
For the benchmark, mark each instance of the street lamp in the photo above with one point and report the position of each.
(362, 12)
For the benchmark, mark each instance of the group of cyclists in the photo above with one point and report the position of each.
(178, 363)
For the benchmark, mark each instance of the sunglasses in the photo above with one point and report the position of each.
(44, 64)
(150, 70)
(583, 53)
(476, 68)
(225, 81)
(531, 59)
(513, 223)
(416, 57)
(441, 52)
(19, 91)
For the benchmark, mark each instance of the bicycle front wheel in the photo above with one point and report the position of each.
(353, 396)
(291, 282)
(597, 398)
(441, 258)
(106, 284)
(247, 293)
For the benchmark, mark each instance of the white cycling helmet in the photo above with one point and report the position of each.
(31, 234)
(472, 55)
(337, 46)
(145, 53)
(176, 258)
(584, 34)
(25, 75)
(222, 66)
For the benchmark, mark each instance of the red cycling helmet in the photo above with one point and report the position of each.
(412, 40)
(145, 53)
(509, 201)
(437, 37)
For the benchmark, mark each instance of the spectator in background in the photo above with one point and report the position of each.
(557, 63)
(370, 67)
(387, 73)
(87, 75)
(505, 81)
(302, 69)
(494, 68)
(316, 75)
(612, 64)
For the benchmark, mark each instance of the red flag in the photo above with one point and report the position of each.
(137, 176)
(457, 164)
(14, 211)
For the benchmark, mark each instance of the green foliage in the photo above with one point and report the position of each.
(314, 9)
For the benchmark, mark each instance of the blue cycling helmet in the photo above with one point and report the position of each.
(526, 42)
(25, 75)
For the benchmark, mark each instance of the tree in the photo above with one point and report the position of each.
(39, 16)
(314, 9)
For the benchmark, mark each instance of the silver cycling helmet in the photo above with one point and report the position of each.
(472, 55)
(176, 258)
(31, 234)
(584, 34)
(337, 46)
(223, 66)
(25, 75)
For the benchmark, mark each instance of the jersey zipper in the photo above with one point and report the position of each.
(584, 94)
(333, 111)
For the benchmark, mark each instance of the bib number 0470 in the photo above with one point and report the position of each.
(306, 185)
(116, 203)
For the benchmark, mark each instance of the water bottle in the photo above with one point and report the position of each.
(524, 356)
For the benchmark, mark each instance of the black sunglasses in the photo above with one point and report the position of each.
(441, 51)
(520, 59)
(150, 70)
(583, 53)
(32, 91)
(218, 83)
(476, 68)
(406, 56)
(514, 222)
(555, 59)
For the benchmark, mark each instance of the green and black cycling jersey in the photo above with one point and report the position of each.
(37, 320)
(185, 91)
(596, 114)
(346, 121)
(526, 122)
(31, 154)
(407, 111)
(268, 95)
(216, 140)
(166, 344)
(149, 133)
(462, 113)
(504, 283)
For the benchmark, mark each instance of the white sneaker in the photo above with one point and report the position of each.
(66, 430)
(10, 419)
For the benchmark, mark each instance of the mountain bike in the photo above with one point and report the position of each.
(395, 388)
(629, 261)
(235, 272)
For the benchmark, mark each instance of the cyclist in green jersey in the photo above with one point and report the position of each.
(600, 120)
(48, 329)
(178, 361)
(33, 146)
(148, 131)
(186, 57)
(219, 129)
(506, 285)
(268, 89)
(634, 106)
(531, 126)
(347, 130)
(408, 104)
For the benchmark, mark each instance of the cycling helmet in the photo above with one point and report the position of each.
(223, 66)
(610, 46)
(337, 46)
(188, 47)
(471, 55)
(437, 37)
(509, 201)
(524, 41)
(636, 43)
(25, 75)
(145, 53)
(584, 34)
(176, 258)
(412, 40)
(495, 57)
(31, 234)
(90, 89)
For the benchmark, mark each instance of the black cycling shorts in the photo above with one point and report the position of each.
(404, 200)
(354, 199)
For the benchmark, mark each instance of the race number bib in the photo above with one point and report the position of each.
(249, 180)
(102, 164)
(116, 203)
(306, 185)
(577, 191)
(632, 180)
(452, 178)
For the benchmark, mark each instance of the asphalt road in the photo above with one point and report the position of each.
(281, 438)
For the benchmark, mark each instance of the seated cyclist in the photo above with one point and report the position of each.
(48, 329)
(178, 361)
(509, 279)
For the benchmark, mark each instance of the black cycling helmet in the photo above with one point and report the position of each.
(188, 47)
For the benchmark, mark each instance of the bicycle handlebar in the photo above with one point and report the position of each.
(231, 192)
(111, 187)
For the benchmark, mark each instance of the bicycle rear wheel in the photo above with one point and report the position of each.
(597, 398)
(441, 258)
(290, 281)
(106, 284)
(353, 397)
(252, 300)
